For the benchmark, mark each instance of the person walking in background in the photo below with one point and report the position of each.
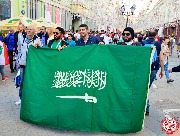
(178, 48)
(166, 51)
(116, 38)
(107, 38)
(43, 35)
(10, 42)
(172, 44)
(157, 59)
(50, 33)
(1, 37)
(18, 36)
(70, 41)
(140, 38)
(2, 62)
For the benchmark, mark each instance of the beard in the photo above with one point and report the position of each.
(127, 39)
(57, 38)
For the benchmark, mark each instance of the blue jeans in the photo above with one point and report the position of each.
(152, 77)
(10, 53)
(2, 70)
(166, 70)
(22, 72)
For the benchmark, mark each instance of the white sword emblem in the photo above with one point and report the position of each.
(86, 98)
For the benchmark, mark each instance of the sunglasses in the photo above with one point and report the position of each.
(56, 33)
(126, 34)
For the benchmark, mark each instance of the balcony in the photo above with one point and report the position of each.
(78, 8)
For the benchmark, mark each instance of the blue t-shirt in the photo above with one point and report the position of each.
(71, 43)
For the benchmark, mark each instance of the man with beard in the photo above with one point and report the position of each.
(57, 42)
(128, 36)
(86, 39)
(43, 35)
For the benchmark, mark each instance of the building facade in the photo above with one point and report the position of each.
(67, 14)
(165, 14)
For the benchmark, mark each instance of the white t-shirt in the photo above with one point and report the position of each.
(77, 36)
(20, 37)
(2, 60)
(129, 43)
(102, 35)
(107, 39)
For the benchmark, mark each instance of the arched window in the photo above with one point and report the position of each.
(5, 9)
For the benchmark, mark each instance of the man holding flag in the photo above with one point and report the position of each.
(29, 40)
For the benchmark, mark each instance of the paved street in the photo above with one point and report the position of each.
(163, 100)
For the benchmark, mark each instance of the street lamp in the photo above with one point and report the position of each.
(127, 14)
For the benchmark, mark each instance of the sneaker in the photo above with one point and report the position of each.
(4, 78)
(18, 102)
(154, 86)
(147, 113)
(170, 80)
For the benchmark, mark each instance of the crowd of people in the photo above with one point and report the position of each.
(18, 43)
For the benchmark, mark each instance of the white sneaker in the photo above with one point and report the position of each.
(18, 102)
(154, 86)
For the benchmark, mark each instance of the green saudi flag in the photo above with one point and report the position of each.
(97, 88)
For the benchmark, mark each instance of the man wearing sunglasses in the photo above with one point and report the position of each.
(43, 35)
(58, 42)
(128, 37)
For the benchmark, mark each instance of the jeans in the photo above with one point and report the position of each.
(152, 77)
(10, 53)
(2, 70)
(166, 70)
(22, 73)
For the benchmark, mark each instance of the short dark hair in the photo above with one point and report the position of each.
(44, 27)
(61, 30)
(84, 25)
(71, 35)
(76, 31)
(73, 38)
(152, 34)
(165, 37)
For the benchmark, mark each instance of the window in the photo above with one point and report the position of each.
(32, 9)
(5, 9)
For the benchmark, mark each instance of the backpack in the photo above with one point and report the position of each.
(155, 58)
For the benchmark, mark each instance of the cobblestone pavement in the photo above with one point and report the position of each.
(165, 97)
